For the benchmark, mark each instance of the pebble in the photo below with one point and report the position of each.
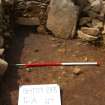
(76, 71)
(62, 67)
(86, 59)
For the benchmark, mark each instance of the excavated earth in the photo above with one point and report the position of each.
(86, 87)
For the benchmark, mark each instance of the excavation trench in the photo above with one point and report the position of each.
(85, 84)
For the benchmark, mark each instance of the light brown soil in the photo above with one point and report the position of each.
(87, 88)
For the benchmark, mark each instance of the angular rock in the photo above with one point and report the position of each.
(62, 18)
(41, 29)
(3, 66)
(90, 31)
(86, 37)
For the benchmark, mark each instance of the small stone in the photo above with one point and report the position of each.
(86, 59)
(3, 66)
(84, 21)
(2, 51)
(76, 71)
(86, 37)
(90, 31)
(41, 29)
(62, 67)
(29, 62)
(28, 69)
(59, 78)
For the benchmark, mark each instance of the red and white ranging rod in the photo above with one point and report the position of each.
(43, 64)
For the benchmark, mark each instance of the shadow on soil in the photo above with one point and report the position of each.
(10, 80)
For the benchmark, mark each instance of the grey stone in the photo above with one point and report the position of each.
(41, 29)
(62, 18)
(3, 66)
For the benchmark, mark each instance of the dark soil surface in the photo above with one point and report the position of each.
(87, 88)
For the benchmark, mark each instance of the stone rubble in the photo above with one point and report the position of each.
(30, 9)
(92, 17)
(73, 14)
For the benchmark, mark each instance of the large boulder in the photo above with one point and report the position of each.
(62, 18)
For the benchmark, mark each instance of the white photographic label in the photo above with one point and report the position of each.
(39, 95)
